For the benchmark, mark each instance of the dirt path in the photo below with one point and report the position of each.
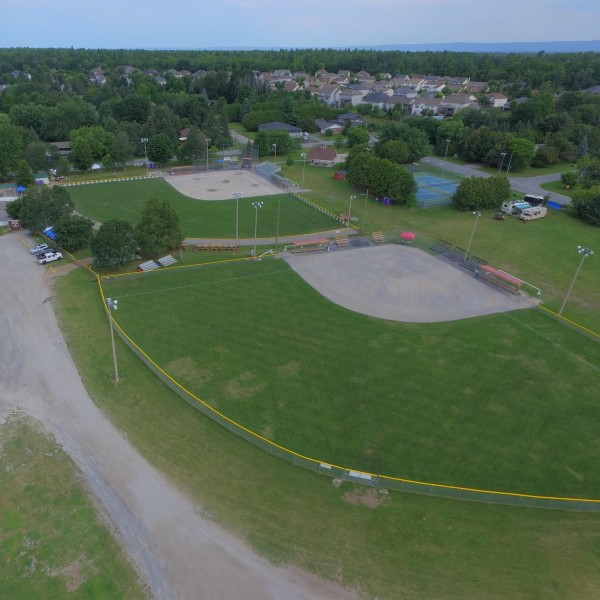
(180, 554)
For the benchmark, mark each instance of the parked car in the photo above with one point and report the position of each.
(42, 251)
(40, 248)
(49, 257)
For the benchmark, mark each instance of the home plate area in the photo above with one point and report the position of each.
(402, 283)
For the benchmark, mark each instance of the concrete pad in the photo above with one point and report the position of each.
(402, 283)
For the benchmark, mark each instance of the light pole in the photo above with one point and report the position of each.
(237, 196)
(477, 215)
(509, 162)
(113, 305)
(303, 155)
(275, 148)
(502, 155)
(446, 153)
(585, 252)
(350, 210)
(256, 206)
(207, 144)
(365, 211)
(144, 141)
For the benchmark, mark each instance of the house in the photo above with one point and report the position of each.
(329, 94)
(352, 97)
(199, 74)
(294, 131)
(452, 103)
(183, 134)
(97, 76)
(422, 106)
(344, 73)
(497, 100)
(477, 87)
(64, 148)
(406, 92)
(350, 118)
(20, 74)
(324, 156)
(282, 75)
(416, 82)
(324, 126)
(401, 101)
(291, 86)
(376, 99)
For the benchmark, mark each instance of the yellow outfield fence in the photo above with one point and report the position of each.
(347, 473)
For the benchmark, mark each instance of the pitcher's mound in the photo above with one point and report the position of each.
(402, 283)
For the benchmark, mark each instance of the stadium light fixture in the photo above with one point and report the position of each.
(502, 155)
(113, 305)
(256, 206)
(477, 215)
(275, 149)
(350, 210)
(303, 155)
(207, 145)
(585, 252)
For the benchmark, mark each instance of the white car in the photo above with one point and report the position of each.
(40, 248)
(49, 257)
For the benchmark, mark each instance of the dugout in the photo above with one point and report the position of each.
(500, 279)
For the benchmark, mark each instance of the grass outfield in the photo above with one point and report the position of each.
(200, 219)
(52, 541)
(486, 402)
(410, 547)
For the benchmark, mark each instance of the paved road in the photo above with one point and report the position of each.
(527, 185)
(180, 554)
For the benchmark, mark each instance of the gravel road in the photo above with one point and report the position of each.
(180, 555)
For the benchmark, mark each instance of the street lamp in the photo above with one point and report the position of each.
(585, 252)
(502, 155)
(275, 148)
(303, 155)
(113, 305)
(144, 141)
(256, 206)
(237, 196)
(207, 144)
(350, 210)
(477, 215)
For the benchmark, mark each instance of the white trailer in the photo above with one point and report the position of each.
(535, 212)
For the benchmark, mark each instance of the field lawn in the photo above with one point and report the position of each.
(53, 543)
(391, 546)
(198, 219)
(486, 402)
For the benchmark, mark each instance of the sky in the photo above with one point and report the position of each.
(247, 24)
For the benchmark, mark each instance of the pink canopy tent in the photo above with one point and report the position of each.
(408, 235)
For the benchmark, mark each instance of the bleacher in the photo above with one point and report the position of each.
(149, 265)
(341, 241)
(267, 169)
(378, 237)
(360, 241)
(457, 254)
(167, 261)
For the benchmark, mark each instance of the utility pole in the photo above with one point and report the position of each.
(113, 305)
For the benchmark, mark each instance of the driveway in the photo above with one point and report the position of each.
(180, 555)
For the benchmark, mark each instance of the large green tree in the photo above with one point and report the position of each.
(73, 232)
(114, 244)
(161, 148)
(158, 230)
(585, 205)
(477, 193)
(44, 206)
(11, 148)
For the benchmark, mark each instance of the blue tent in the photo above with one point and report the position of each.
(49, 233)
(21, 189)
